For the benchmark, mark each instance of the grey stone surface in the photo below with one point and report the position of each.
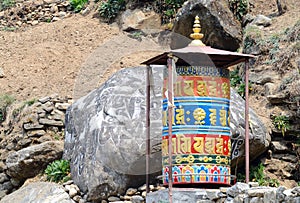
(106, 130)
(28, 162)
(259, 137)
(262, 20)
(220, 28)
(39, 192)
(238, 188)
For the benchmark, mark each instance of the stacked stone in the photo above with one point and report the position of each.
(239, 193)
(133, 195)
(47, 116)
(74, 191)
(30, 138)
(33, 12)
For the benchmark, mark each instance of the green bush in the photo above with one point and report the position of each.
(281, 123)
(168, 9)
(236, 81)
(239, 8)
(5, 101)
(110, 9)
(257, 174)
(78, 5)
(5, 4)
(58, 170)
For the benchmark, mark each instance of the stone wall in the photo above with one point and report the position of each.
(30, 138)
(29, 13)
(239, 193)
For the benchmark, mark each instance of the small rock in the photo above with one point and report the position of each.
(279, 146)
(3, 177)
(50, 1)
(253, 184)
(2, 166)
(32, 126)
(76, 198)
(126, 197)
(69, 182)
(62, 14)
(113, 199)
(36, 133)
(44, 99)
(45, 121)
(65, 3)
(54, 19)
(137, 199)
(262, 20)
(3, 193)
(1, 73)
(131, 191)
(72, 192)
(142, 188)
(62, 106)
(2, 14)
(54, 9)
(35, 22)
(277, 98)
(19, 23)
(86, 11)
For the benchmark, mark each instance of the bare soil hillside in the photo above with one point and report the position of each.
(46, 59)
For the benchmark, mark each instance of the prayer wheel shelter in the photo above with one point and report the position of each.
(196, 133)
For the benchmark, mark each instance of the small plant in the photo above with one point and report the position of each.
(239, 8)
(78, 5)
(9, 29)
(111, 8)
(281, 123)
(58, 170)
(18, 110)
(257, 174)
(5, 101)
(236, 81)
(168, 9)
(5, 4)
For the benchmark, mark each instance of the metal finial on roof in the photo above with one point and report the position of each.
(197, 36)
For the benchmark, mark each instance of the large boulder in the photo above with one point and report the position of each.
(105, 133)
(30, 161)
(220, 28)
(259, 137)
(39, 192)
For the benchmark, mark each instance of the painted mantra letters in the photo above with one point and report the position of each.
(201, 142)
(197, 143)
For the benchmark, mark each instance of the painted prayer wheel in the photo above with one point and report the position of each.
(201, 143)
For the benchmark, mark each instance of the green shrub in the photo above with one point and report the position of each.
(236, 81)
(257, 174)
(281, 123)
(5, 101)
(78, 5)
(58, 170)
(168, 9)
(239, 8)
(110, 9)
(5, 4)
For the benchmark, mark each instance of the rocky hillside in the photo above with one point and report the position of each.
(46, 48)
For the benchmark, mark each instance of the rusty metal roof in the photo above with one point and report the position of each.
(201, 55)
